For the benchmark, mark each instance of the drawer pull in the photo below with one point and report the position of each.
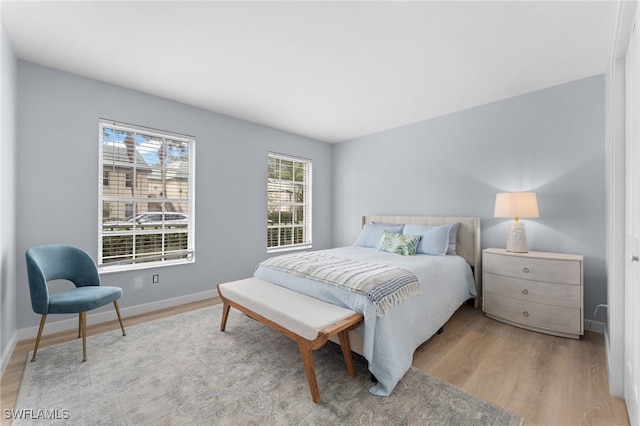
(525, 291)
(525, 270)
(525, 313)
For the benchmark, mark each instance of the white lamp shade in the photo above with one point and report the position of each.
(516, 205)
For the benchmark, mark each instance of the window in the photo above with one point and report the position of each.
(147, 197)
(288, 203)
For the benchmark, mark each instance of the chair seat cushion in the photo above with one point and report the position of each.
(82, 299)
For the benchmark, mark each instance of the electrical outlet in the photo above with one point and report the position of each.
(155, 279)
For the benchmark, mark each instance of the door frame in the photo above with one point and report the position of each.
(615, 148)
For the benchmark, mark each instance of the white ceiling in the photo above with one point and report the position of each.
(331, 71)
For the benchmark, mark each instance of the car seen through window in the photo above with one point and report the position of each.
(151, 220)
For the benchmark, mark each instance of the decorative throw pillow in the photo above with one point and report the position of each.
(435, 238)
(371, 234)
(397, 243)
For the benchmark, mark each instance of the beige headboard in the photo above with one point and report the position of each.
(467, 243)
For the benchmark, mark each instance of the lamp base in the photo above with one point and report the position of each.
(517, 241)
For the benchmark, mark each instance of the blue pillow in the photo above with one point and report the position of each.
(435, 239)
(453, 235)
(371, 234)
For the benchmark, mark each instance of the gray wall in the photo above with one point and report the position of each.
(550, 141)
(8, 142)
(57, 181)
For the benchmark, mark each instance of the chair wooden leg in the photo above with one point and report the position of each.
(83, 327)
(115, 303)
(79, 326)
(307, 360)
(42, 320)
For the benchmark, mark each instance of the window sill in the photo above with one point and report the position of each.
(289, 248)
(108, 269)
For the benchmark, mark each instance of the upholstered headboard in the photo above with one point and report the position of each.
(467, 243)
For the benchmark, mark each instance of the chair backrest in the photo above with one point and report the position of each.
(57, 262)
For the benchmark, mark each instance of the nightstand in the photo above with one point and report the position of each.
(536, 290)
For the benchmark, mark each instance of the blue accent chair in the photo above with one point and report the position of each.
(64, 262)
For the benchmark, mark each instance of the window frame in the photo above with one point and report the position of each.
(307, 204)
(171, 233)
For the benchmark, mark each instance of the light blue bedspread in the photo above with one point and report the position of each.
(390, 340)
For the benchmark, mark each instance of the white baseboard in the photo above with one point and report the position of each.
(595, 326)
(72, 324)
(8, 352)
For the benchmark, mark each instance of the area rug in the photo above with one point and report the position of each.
(181, 370)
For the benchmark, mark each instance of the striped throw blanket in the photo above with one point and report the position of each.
(385, 286)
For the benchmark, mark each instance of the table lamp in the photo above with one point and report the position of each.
(516, 205)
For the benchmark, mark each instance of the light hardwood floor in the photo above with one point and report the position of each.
(547, 380)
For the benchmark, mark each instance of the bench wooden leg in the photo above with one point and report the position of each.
(346, 352)
(225, 314)
(307, 360)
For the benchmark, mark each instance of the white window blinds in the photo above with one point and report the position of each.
(288, 203)
(147, 197)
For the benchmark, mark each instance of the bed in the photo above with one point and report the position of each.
(389, 340)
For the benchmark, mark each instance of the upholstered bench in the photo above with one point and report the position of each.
(306, 320)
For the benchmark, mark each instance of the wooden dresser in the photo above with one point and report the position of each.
(536, 290)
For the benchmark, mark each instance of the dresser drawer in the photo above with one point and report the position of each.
(566, 295)
(531, 268)
(552, 318)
